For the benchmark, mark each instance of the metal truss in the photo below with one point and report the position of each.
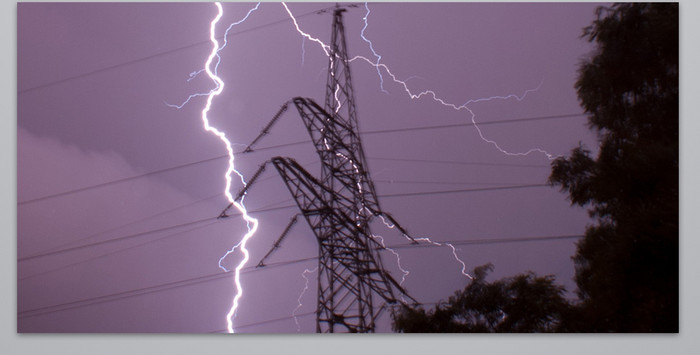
(354, 289)
(351, 275)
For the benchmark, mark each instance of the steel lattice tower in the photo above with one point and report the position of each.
(338, 206)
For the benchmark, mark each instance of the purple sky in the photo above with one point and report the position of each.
(93, 82)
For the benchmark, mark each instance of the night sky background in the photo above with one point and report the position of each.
(116, 190)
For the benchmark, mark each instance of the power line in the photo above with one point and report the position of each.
(514, 120)
(491, 241)
(143, 219)
(108, 241)
(143, 291)
(270, 321)
(117, 296)
(392, 181)
(289, 317)
(146, 58)
(463, 190)
(423, 193)
(140, 234)
(265, 208)
(185, 165)
(154, 172)
(52, 270)
(457, 162)
(118, 181)
(212, 277)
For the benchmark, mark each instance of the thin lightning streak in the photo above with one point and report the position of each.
(427, 240)
(301, 295)
(371, 47)
(454, 253)
(337, 100)
(194, 74)
(404, 272)
(252, 223)
(414, 96)
(434, 95)
(325, 47)
(257, 6)
(465, 106)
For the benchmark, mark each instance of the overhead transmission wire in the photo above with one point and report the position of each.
(169, 236)
(271, 147)
(465, 124)
(268, 321)
(266, 208)
(206, 278)
(457, 162)
(170, 51)
(118, 181)
(212, 277)
(131, 223)
(422, 193)
(451, 183)
(130, 236)
(112, 240)
(104, 255)
(139, 234)
(185, 165)
(491, 241)
(115, 296)
(300, 315)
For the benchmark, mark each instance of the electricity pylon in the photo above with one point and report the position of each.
(339, 205)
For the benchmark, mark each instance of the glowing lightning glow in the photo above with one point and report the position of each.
(214, 60)
(325, 47)
(371, 47)
(465, 106)
(415, 96)
(454, 253)
(251, 223)
(218, 60)
(301, 295)
(427, 240)
(434, 95)
(404, 272)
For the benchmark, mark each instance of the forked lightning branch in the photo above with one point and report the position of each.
(354, 288)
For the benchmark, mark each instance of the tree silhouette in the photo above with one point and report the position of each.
(627, 264)
(523, 303)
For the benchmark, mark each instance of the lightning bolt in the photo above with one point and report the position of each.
(211, 70)
(404, 272)
(251, 223)
(454, 253)
(431, 93)
(371, 47)
(301, 295)
(429, 241)
(465, 106)
(324, 46)
(194, 74)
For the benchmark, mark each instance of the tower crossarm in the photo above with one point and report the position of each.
(350, 272)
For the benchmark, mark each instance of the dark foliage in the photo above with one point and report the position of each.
(627, 264)
(519, 304)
